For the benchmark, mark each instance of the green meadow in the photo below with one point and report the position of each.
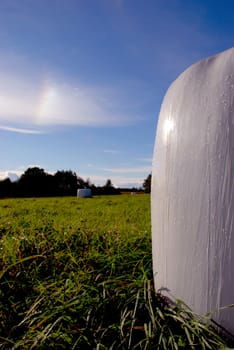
(77, 274)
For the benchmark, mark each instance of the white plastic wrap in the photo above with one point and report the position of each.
(193, 189)
(84, 193)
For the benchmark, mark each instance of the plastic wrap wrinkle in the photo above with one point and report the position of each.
(193, 189)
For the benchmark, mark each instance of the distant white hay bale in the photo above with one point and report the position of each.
(84, 193)
(193, 189)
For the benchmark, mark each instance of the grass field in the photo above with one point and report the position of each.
(77, 274)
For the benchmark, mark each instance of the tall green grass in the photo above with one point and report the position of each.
(77, 274)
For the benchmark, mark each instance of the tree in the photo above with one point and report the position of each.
(33, 183)
(147, 184)
(5, 188)
(108, 183)
(108, 188)
(66, 183)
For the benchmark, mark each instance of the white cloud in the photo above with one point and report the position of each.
(98, 180)
(17, 172)
(12, 174)
(134, 170)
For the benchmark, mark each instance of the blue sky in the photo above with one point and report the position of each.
(82, 81)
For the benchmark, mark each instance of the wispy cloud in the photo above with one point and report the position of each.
(112, 151)
(20, 130)
(134, 170)
(145, 159)
(42, 102)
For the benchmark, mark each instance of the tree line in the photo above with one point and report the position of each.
(35, 182)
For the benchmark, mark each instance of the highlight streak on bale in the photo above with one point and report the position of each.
(193, 189)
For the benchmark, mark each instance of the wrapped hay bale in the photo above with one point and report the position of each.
(193, 189)
(84, 193)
